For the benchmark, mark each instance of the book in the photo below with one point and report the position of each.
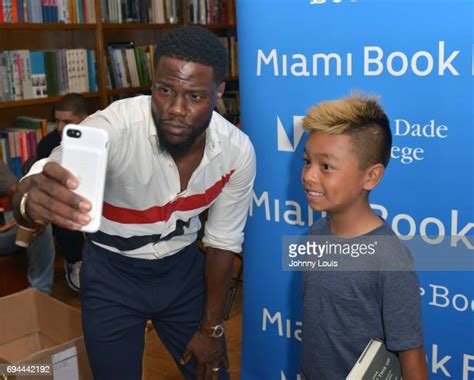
(15, 58)
(92, 73)
(33, 123)
(376, 362)
(38, 74)
(52, 84)
(83, 73)
(25, 68)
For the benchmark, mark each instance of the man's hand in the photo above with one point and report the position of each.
(210, 354)
(8, 225)
(51, 199)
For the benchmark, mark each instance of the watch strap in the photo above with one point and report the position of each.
(23, 212)
(213, 331)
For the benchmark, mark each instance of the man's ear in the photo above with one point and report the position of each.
(220, 90)
(373, 176)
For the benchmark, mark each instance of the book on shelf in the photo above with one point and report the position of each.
(157, 12)
(47, 11)
(92, 70)
(234, 64)
(38, 74)
(376, 362)
(18, 144)
(28, 74)
(33, 123)
(141, 11)
(230, 44)
(128, 65)
(209, 12)
(229, 106)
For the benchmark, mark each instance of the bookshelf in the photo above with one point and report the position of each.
(96, 37)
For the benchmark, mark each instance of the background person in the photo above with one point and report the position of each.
(40, 252)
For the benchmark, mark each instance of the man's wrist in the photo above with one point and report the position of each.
(212, 330)
(19, 203)
(23, 213)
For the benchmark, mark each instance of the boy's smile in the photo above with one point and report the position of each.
(331, 176)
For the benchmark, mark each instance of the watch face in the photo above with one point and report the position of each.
(218, 331)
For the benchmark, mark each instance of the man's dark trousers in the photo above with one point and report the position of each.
(119, 294)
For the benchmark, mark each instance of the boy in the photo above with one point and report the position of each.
(345, 158)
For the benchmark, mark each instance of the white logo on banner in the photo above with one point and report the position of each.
(283, 376)
(284, 143)
(401, 128)
(413, 130)
(376, 62)
(440, 363)
(292, 212)
(313, 2)
(286, 328)
(440, 296)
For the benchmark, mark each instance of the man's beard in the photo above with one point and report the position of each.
(176, 150)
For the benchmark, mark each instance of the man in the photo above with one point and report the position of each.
(170, 158)
(71, 109)
(41, 250)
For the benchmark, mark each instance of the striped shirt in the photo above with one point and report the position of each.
(145, 213)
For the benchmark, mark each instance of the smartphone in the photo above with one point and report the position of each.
(84, 154)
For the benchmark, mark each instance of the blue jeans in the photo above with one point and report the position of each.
(41, 255)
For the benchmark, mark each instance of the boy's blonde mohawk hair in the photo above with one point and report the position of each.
(337, 116)
(359, 116)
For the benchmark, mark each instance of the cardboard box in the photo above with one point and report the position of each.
(36, 328)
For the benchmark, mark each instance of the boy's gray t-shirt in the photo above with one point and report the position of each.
(344, 309)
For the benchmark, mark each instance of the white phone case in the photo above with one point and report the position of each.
(84, 154)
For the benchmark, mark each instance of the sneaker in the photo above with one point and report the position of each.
(72, 275)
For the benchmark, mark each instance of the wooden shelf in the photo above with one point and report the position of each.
(134, 25)
(215, 26)
(37, 101)
(52, 36)
(129, 90)
(44, 26)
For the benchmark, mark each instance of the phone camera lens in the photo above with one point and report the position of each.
(74, 133)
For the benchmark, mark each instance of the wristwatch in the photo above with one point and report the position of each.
(216, 331)
(23, 213)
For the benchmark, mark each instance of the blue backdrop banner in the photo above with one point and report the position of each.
(418, 56)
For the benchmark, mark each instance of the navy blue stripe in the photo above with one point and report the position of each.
(134, 242)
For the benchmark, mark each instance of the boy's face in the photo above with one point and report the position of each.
(331, 176)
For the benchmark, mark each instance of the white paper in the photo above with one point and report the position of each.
(65, 365)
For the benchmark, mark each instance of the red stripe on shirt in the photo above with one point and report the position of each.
(162, 213)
